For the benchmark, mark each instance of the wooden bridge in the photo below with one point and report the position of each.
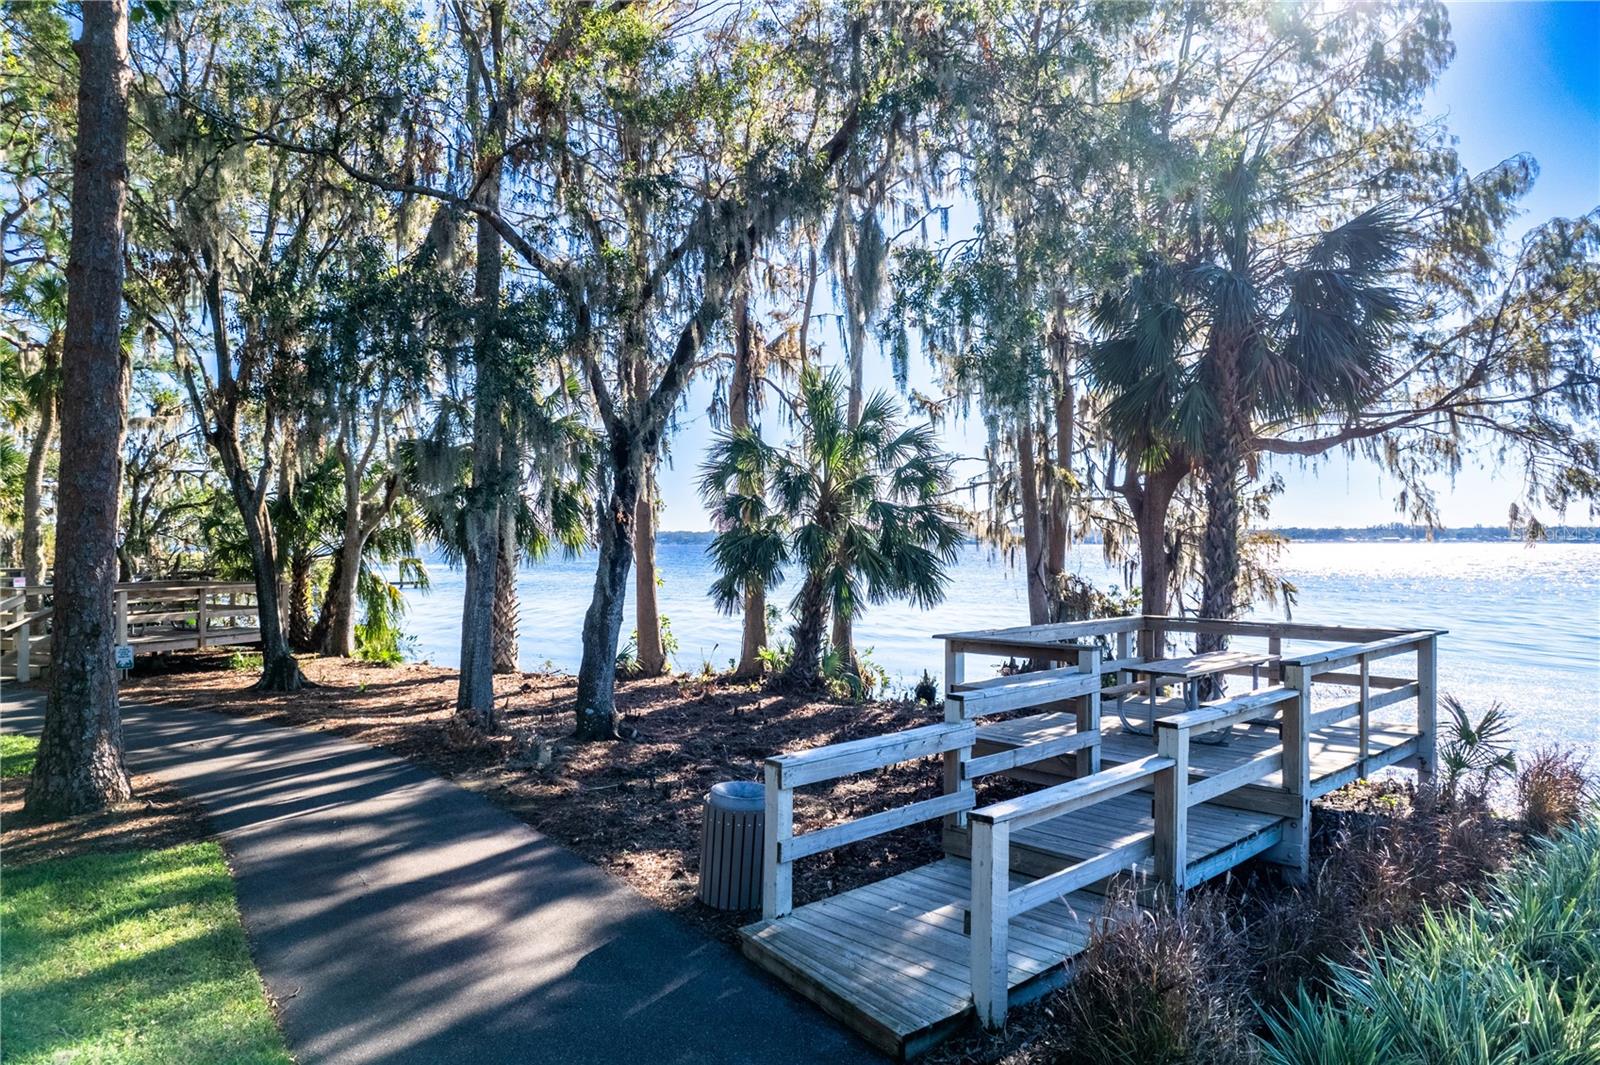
(151, 616)
(1138, 777)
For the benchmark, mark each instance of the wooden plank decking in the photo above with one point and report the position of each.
(892, 960)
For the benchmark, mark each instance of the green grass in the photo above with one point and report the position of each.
(134, 957)
(1510, 979)
(16, 754)
(245, 661)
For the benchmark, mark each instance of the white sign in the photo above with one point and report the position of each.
(124, 656)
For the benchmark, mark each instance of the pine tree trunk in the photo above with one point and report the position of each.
(602, 624)
(647, 608)
(506, 609)
(79, 765)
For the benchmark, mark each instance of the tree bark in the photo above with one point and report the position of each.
(602, 623)
(79, 765)
(300, 625)
(647, 609)
(1150, 501)
(475, 689)
(506, 608)
(805, 666)
(1224, 466)
(33, 567)
(338, 638)
(741, 398)
(1034, 548)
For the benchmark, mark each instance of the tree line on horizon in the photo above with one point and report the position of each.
(292, 289)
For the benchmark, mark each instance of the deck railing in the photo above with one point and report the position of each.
(149, 615)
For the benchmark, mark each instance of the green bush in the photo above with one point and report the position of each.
(1511, 977)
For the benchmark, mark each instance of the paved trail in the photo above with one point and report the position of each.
(397, 918)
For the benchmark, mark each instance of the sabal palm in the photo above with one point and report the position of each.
(1199, 350)
(856, 509)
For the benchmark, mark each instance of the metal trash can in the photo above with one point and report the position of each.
(730, 845)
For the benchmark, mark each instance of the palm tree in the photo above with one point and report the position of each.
(856, 508)
(1249, 325)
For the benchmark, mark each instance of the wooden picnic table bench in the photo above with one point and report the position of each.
(1190, 671)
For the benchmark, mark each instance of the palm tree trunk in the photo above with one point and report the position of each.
(300, 627)
(741, 395)
(506, 609)
(805, 666)
(1150, 499)
(79, 765)
(1219, 548)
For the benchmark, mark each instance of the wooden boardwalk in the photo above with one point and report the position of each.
(150, 617)
(908, 960)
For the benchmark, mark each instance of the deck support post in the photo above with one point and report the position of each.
(777, 876)
(955, 762)
(1427, 709)
(1295, 850)
(1172, 810)
(1088, 759)
(991, 889)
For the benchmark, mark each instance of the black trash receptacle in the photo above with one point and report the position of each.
(730, 845)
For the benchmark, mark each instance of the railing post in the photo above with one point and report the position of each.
(991, 889)
(1088, 758)
(202, 615)
(1295, 850)
(955, 762)
(1427, 708)
(1172, 810)
(1275, 649)
(1124, 652)
(122, 615)
(24, 648)
(777, 877)
(1365, 724)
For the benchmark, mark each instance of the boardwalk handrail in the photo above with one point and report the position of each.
(785, 772)
(994, 902)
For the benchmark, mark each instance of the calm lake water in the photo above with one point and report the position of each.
(1524, 621)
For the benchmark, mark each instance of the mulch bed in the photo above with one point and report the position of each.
(632, 807)
(157, 816)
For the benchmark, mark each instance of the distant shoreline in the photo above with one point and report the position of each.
(1394, 533)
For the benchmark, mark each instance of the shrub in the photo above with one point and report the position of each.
(1474, 753)
(244, 661)
(1507, 979)
(1158, 986)
(1553, 789)
(1379, 872)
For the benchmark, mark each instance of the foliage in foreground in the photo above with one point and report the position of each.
(131, 956)
(1514, 977)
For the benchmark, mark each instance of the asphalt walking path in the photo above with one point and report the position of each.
(398, 918)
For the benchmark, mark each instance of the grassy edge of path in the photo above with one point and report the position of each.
(133, 956)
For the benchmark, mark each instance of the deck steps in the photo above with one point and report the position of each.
(892, 958)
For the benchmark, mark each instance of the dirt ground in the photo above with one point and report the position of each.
(632, 807)
(157, 816)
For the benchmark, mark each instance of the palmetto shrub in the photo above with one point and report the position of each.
(1512, 977)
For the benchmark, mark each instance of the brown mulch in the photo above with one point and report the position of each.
(632, 807)
(157, 816)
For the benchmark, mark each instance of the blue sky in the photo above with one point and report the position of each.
(1526, 78)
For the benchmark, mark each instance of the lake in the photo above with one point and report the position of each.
(1524, 621)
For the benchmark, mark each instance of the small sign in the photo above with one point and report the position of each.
(19, 582)
(124, 656)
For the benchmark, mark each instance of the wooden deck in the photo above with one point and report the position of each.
(999, 919)
(891, 959)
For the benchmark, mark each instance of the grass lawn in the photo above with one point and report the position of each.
(132, 956)
(16, 754)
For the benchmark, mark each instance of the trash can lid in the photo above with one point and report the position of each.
(739, 795)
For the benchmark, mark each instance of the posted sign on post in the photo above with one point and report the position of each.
(124, 653)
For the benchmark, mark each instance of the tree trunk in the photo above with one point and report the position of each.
(33, 567)
(1219, 545)
(741, 395)
(805, 667)
(1033, 527)
(79, 765)
(1150, 503)
(602, 624)
(1058, 499)
(506, 610)
(300, 627)
(279, 670)
(338, 639)
(647, 609)
(475, 688)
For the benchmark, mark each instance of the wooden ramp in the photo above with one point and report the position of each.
(891, 959)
